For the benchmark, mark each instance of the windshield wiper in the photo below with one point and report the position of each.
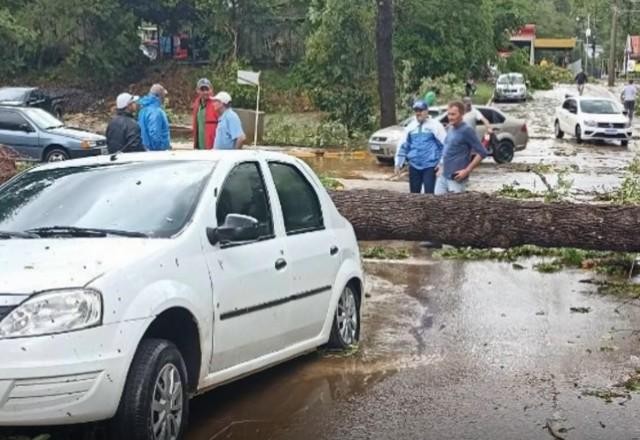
(5, 235)
(74, 231)
(51, 127)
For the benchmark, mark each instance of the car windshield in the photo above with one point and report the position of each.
(153, 198)
(511, 80)
(10, 94)
(599, 107)
(43, 119)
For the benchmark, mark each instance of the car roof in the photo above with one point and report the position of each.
(588, 98)
(213, 156)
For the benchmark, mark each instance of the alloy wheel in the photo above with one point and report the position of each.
(347, 317)
(166, 406)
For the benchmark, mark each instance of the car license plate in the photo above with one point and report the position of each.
(104, 150)
(611, 131)
(374, 147)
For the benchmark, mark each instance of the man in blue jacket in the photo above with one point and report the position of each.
(422, 148)
(154, 125)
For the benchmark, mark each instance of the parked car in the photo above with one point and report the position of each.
(131, 283)
(32, 97)
(512, 135)
(37, 135)
(510, 87)
(591, 118)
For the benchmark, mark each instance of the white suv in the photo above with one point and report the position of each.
(130, 284)
(589, 118)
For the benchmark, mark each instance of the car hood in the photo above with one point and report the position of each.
(28, 266)
(615, 118)
(393, 132)
(75, 133)
(511, 86)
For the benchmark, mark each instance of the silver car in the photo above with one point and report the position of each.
(37, 135)
(510, 87)
(512, 134)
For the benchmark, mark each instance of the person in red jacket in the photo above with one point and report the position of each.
(205, 117)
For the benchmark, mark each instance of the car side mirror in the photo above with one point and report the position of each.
(26, 128)
(236, 228)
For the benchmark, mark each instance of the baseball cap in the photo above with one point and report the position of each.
(124, 99)
(223, 97)
(204, 82)
(158, 90)
(420, 105)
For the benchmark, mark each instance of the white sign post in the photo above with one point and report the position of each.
(248, 78)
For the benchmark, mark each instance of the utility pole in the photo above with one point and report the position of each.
(612, 49)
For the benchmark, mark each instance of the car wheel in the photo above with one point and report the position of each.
(384, 160)
(56, 155)
(558, 130)
(504, 151)
(345, 331)
(624, 143)
(578, 134)
(154, 404)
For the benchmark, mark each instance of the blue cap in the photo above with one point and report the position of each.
(420, 105)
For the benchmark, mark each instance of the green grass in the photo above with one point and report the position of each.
(484, 93)
(382, 253)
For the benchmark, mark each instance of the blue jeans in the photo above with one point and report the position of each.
(422, 178)
(446, 186)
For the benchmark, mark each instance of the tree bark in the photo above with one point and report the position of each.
(484, 221)
(386, 70)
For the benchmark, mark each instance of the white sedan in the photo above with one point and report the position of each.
(589, 118)
(130, 284)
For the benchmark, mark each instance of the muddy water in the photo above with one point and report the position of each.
(455, 350)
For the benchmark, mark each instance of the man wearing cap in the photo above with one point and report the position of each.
(205, 117)
(153, 120)
(422, 148)
(229, 135)
(123, 132)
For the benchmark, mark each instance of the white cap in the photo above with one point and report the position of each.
(223, 97)
(124, 99)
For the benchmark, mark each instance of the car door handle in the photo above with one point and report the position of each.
(281, 264)
(334, 250)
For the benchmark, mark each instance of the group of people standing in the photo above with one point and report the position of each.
(440, 161)
(141, 124)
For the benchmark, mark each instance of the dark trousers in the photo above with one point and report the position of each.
(630, 107)
(422, 178)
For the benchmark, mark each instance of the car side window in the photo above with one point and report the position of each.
(299, 201)
(245, 193)
(11, 121)
(493, 116)
(571, 106)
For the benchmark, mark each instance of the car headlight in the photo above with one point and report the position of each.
(55, 311)
(591, 123)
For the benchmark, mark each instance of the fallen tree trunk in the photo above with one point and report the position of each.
(484, 221)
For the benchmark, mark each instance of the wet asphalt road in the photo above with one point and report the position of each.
(451, 350)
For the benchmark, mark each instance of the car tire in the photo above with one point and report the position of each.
(578, 134)
(56, 154)
(558, 131)
(504, 151)
(384, 160)
(345, 330)
(145, 407)
(624, 143)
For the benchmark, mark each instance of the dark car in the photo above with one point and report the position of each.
(32, 97)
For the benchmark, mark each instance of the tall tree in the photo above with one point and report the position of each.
(386, 71)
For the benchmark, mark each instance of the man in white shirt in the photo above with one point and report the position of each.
(629, 95)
